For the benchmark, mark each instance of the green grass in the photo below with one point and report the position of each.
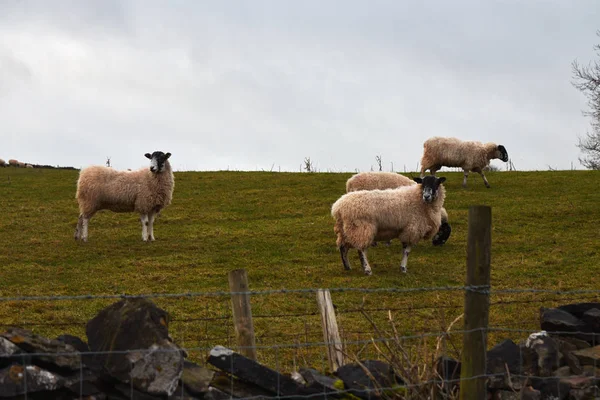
(278, 227)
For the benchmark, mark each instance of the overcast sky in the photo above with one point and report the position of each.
(247, 85)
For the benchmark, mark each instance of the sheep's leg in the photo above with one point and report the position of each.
(405, 252)
(79, 227)
(485, 181)
(151, 218)
(364, 262)
(145, 223)
(84, 227)
(423, 169)
(433, 170)
(465, 176)
(344, 253)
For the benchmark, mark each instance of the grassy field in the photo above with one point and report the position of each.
(278, 227)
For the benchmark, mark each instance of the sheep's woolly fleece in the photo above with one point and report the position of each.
(372, 180)
(124, 191)
(363, 217)
(453, 152)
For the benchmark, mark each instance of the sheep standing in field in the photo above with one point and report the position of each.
(146, 191)
(28, 166)
(13, 163)
(473, 156)
(2, 163)
(391, 180)
(409, 213)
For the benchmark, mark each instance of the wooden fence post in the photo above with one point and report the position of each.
(331, 335)
(242, 314)
(477, 304)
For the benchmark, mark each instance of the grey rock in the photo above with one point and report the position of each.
(136, 332)
(590, 356)
(572, 362)
(74, 341)
(449, 370)
(562, 322)
(47, 351)
(578, 309)
(503, 356)
(195, 378)
(158, 369)
(239, 389)
(17, 379)
(216, 394)
(563, 372)
(252, 372)
(578, 343)
(551, 387)
(361, 385)
(542, 354)
(321, 383)
(592, 319)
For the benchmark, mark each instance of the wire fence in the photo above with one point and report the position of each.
(471, 341)
(410, 328)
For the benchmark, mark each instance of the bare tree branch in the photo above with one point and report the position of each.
(586, 79)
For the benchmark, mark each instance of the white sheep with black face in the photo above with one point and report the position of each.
(473, 156)
(145, 191)
(409, 213)
(371, 180)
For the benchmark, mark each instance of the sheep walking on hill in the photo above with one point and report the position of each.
(390, 180)
(409, 213)
(146, 191)
(473, 156)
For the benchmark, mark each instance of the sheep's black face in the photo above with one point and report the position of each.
(157, 161)
(503, 153)
(430, 185)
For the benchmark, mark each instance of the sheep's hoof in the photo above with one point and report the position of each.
(368, 272)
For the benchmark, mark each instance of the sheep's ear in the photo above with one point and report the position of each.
(418, 180)
(441, 180)
(148, 155)
(167, 155)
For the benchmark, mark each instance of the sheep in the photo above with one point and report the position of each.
(145, 191)
(13, 163)
(28, 166)
(2, 163)
(391, 180)
(453, 152)
(410, 213)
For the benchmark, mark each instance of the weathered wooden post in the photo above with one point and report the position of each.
(331, 334)
(477, 304)
(242, 314)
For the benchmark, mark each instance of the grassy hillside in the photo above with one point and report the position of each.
(278, 227)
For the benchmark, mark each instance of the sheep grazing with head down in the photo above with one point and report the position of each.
(145, 191)
(409, 213)
(390, 180)
(473, 156)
